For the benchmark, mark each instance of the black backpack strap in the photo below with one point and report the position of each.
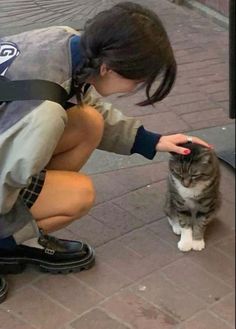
(32, 90)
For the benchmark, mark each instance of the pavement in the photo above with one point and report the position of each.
(141, 280)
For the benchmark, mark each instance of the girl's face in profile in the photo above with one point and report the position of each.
(109, 82)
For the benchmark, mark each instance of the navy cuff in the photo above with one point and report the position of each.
(145, 143)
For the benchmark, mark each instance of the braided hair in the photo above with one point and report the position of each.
(131, 40)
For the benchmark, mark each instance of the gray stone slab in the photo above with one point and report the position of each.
(18, 16)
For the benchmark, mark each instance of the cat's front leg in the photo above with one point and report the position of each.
(198, 236)
(175, 226)
(186, 240)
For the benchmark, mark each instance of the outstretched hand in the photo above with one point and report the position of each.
(170, 143)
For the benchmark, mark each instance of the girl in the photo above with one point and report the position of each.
(43, 147)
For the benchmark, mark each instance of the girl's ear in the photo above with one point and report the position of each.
(104, 70)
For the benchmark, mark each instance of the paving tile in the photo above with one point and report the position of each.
(217, 232)
(106, 188)
(128, 108)
(206, 115)
(227, 185)
(168, 296)
(205, 320)
(198, 55)
(146, 203)
(214, 78)
(226, 309)
(214, 122)
(226, 213)
(206, 70)
(201, 66)
(193, 107)
(104, 279)
(137, 312)
(217, 87)
(163, 230)
(228, 175)
(165, 123)
(180, 89)
(220, 96)
(196, 280)
(146, 244)
(94, 232)
(38, 310)
(69, 292)
(98, 319)
(9, 321)
(115, 218)
(224, 105)
(227, 246)
(125, 260)
(185, 98)
(23, 279)
(140, 176)
(215, 262)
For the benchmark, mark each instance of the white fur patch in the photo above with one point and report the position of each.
(190, 192)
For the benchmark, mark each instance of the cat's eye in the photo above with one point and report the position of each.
(195, 176)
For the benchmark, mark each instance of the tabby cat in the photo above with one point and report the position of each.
(193, 194)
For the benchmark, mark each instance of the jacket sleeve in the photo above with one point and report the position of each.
(119, 131)
(26, 148)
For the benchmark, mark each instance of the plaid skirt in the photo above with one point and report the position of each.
(30, 193)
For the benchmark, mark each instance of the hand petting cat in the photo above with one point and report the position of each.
(170, 143)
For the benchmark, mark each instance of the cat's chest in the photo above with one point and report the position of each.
(187, 192)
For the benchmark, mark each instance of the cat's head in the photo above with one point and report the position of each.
(200, 165)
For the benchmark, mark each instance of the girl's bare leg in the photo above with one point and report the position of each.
(67, 195)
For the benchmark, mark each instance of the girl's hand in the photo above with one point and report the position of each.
(170, 143)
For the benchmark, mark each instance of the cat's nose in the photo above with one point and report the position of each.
(186, 182)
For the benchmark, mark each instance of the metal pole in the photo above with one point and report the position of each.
(232, 54)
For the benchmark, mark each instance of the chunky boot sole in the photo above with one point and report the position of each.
(3, 290)
(18, 264)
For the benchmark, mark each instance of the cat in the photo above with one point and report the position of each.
(193, 196)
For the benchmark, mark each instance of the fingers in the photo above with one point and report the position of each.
(171, 143)
(181, 138)
(181, 150)
(201, 142)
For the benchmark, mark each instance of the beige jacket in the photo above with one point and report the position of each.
(30, 131)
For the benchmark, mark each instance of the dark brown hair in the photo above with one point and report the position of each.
(131, 40)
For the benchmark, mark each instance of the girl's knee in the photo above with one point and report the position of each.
(83, 196)
(93, 124)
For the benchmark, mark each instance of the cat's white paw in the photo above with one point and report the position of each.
(185, 245)
(198, 244)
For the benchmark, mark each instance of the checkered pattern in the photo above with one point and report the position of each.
(30, 193)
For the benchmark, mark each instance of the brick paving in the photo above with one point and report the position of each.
(141, 280)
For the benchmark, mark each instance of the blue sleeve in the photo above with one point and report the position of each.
(145, 143)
